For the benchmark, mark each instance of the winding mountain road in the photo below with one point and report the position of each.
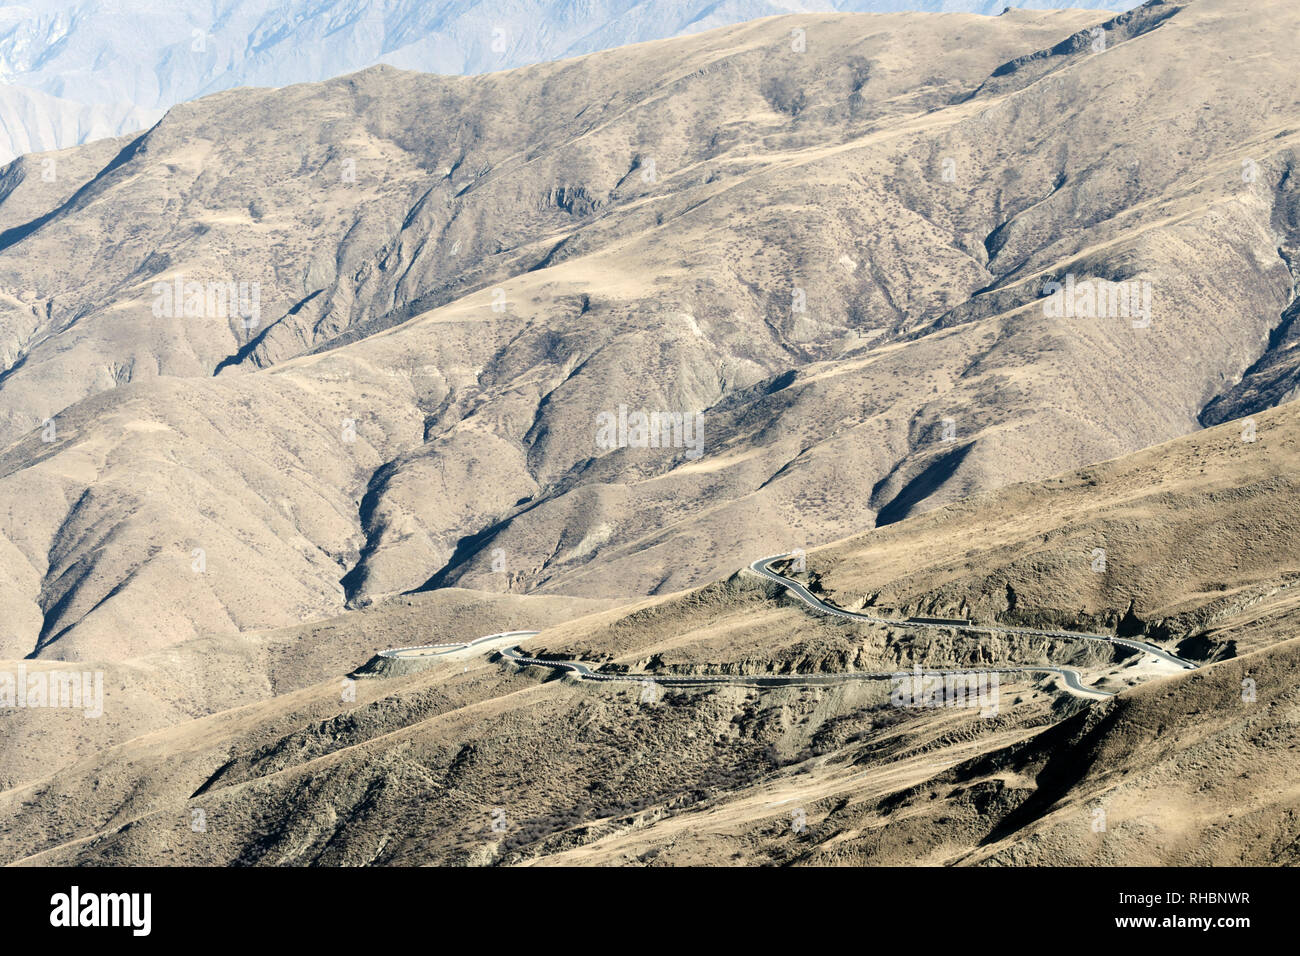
(1073, 680)
(761, 567)
(1072, 677)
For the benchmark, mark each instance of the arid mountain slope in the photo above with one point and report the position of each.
(476, 762)
(1165, 543)
(187, 680)
(836, 253)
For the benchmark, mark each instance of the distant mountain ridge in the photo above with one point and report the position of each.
(115, 65)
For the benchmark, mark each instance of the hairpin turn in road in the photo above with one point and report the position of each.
(1073, 680)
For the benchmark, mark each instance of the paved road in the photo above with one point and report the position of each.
(433, 650)
(761, 566)
(1072, 678)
